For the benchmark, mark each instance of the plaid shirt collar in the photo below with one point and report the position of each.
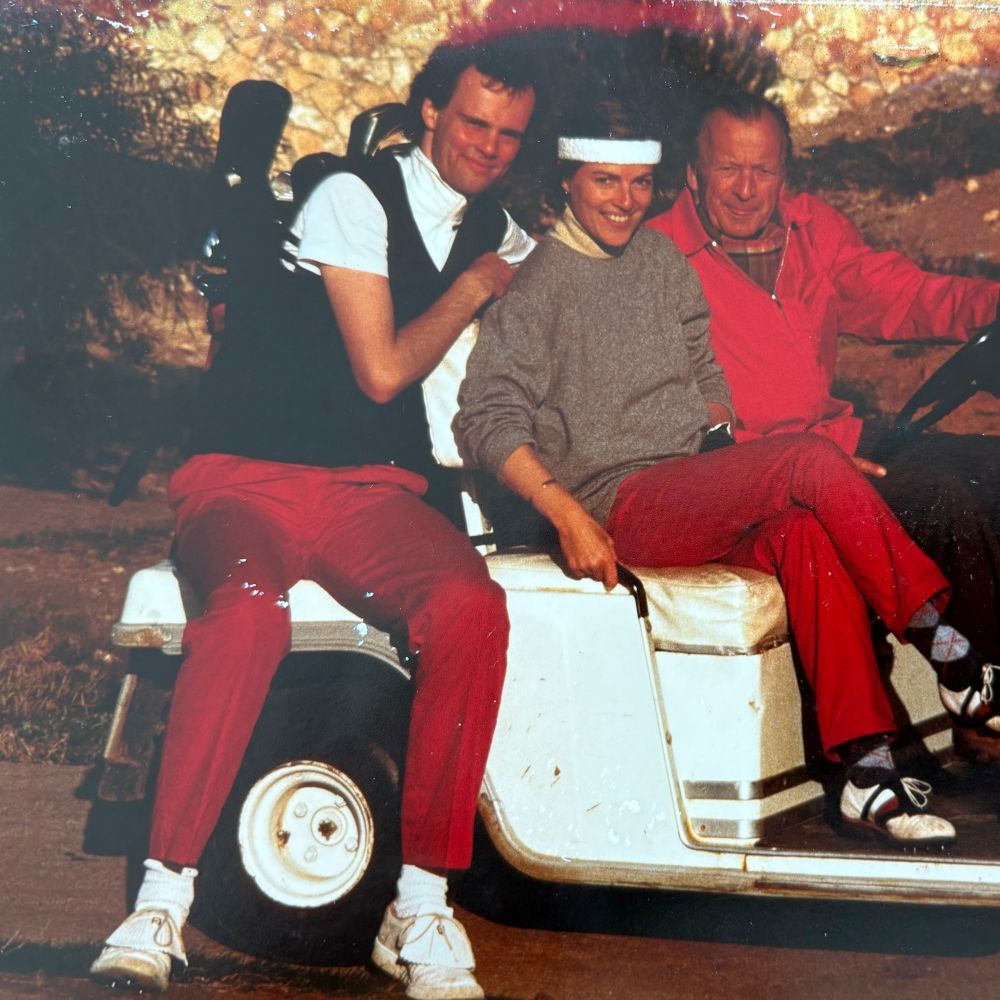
(759, 257)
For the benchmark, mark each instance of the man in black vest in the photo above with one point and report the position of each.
(311, 447)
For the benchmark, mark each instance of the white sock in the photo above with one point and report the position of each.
(163, 889)
(420, 891)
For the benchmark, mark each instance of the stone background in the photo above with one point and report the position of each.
(338, 57)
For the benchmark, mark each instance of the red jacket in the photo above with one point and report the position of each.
(779, 352)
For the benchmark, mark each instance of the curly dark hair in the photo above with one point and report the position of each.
(507, 60)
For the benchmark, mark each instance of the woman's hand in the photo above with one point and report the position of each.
(719, 413)
(587, 547)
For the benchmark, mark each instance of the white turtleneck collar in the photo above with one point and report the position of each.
(438, 209)
(568, 230)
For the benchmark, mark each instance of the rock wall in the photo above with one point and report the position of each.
(837, 58)
(340, 56)
(336, 57)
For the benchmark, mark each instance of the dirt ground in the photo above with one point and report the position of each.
(533, 941)
(86, 544)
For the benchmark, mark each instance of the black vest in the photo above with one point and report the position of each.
(281, 386)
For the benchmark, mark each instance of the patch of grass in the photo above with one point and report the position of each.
(57, 687)
(108, 545)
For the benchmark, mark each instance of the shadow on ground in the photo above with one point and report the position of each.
(938, 144)
(67, 420)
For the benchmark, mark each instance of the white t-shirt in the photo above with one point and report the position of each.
(343, 224)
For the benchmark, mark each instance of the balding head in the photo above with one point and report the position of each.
(739, 167)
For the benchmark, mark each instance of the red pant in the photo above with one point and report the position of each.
(248, 530)
(795, 506)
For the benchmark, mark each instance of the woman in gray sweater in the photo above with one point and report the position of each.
(594, 395)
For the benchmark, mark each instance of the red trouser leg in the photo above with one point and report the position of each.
(236, 558)
(393, 559)
(829, 621)
(709, 507)
(384, 554)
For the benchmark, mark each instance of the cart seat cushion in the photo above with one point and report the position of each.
(725, 610)
(717, 609)
(159, 595)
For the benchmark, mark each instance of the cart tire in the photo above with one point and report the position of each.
(305, 854)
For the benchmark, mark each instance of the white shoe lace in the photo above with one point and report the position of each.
(917, 791)
(986, 691)
(164, 933)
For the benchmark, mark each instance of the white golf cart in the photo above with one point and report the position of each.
(652, 736)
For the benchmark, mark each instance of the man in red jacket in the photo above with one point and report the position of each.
(785, 274)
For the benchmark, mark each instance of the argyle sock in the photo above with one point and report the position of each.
(952, 656)
(163, 889)
(868, 761)
(419, 890)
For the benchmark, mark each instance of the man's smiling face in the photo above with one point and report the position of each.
(740, 172)
(474, 138)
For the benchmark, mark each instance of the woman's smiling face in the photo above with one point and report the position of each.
(610, 199)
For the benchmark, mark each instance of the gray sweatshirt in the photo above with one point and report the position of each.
(603, 366)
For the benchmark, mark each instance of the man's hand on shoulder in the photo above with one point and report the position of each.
(868, 467)
(486, 278)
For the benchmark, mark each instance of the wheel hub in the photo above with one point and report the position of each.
(306, 834)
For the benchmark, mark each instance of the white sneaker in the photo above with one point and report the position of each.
(895, 810)
(974, 706)
(430, 953)
(141, 952)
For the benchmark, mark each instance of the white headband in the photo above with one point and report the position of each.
(622, 151)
